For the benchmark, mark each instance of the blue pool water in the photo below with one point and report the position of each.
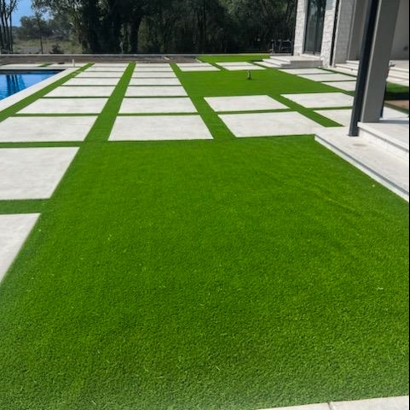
(13, 83)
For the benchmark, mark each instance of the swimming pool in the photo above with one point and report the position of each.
(13, 82)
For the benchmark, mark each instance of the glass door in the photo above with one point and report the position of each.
(315, 23)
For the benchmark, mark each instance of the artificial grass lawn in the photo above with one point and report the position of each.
(397, 92)
(227, 274)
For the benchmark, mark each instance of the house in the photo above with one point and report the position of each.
(333, 30)
(374, 32)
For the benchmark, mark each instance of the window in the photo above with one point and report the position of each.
(314, 26)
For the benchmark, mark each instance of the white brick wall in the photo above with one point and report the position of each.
(343, 34)
(300, 27)
(328, 32)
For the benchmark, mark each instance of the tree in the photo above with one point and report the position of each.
(29, 28)
(132, 12)
(7, 8)
(110, 26)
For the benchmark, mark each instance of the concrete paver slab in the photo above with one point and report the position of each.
(269, 124)
(157, 106)
(327, 77)
(246, 103)
(139, 74)
(97, 74)
(153, 69)
(105, 70)
(153, 65)
(156, 91)
(14, 230)
(395, 403)
(154, 81)
(198, 68)
(92, 82)
(343, 117)
(245, 68)
(66, 106)
(123, 65)
(302, 71)
(90, 91)
(110, 65)
(198, 64)
(321, 100)
(235, 63)
(45, 129)
(32, 173)
(160, 128)
(343, 85)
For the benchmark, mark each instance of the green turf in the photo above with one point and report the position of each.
(395, 92)
(234, 274)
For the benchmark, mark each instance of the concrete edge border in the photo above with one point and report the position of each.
(389, 403)
(20, 96)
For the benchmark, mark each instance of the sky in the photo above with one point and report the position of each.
(24, 9)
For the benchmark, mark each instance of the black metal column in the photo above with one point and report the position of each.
(365, 57)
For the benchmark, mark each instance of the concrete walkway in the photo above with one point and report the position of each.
(394, 403)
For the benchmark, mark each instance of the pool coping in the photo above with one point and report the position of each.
(21, 95)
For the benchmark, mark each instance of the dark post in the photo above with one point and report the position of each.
(365, 57)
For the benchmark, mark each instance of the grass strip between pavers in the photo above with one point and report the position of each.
(105, 121)
(22, 207)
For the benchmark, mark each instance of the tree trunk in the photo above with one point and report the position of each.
(134, 35)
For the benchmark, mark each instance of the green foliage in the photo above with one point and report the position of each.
(32, 27)
(175, 26)
(7, 8)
